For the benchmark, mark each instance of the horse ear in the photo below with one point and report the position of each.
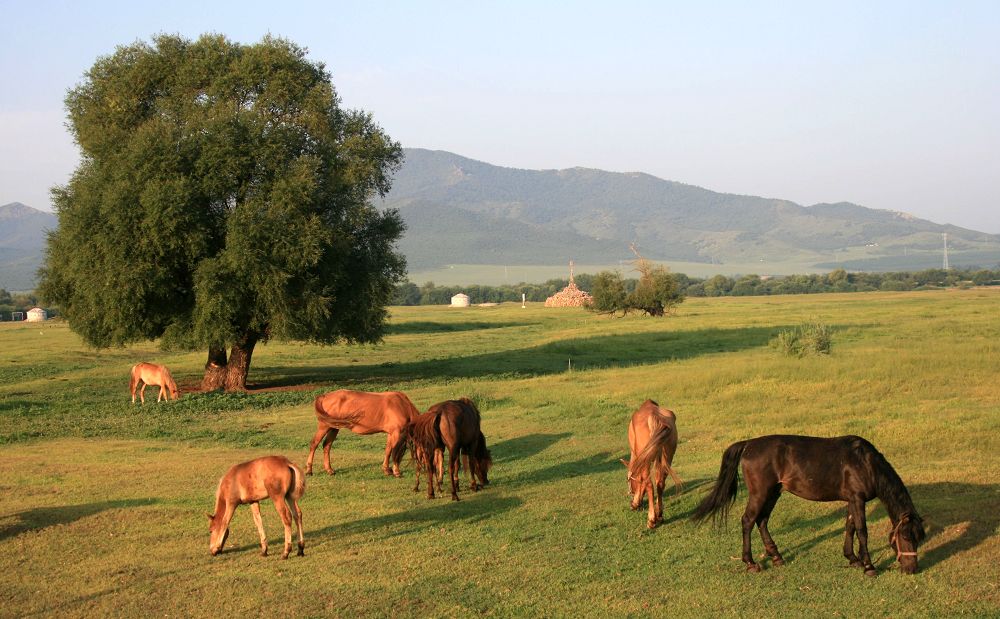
(210, 516)
(623, 461)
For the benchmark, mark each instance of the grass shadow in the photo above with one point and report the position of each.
(42, 517)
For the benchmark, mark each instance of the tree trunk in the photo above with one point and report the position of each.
(215, 370)
(239, 363)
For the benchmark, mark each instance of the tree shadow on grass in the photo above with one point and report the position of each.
(427, 326)
(605, 351)
(42, 517)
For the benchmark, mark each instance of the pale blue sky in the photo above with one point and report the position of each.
(891, 105)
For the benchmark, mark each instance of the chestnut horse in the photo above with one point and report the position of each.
(250, 482)
(152, 374)
(846, 468)
(456, 425)
(362, 413)
(652, 439)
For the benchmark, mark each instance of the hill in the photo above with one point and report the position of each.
(22, 244)
(462, 211)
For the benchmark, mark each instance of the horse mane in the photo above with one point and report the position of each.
(891, 490)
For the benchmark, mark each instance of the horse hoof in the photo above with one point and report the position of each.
(651, 524)
(856, 563)
(753, 567)
(777, 562)
(263, 552)
(301, 552)
(870, 572)
(309, 472)
(284, 556)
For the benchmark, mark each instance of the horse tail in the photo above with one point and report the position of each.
(133, 379)
(722, 496)
(298, 482)
(654, 448)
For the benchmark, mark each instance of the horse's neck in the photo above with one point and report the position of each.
(894, 495)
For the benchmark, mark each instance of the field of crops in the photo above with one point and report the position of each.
(102, 504)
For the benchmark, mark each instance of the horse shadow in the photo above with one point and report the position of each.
(968, 509)
(43, 517)
(443, 513)
(524, 446)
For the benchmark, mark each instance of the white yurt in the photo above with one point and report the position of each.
(37, 314)
(460, 300)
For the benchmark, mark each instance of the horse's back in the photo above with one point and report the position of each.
(376, 406)
(261, 477)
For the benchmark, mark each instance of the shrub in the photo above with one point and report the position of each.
(813, 339)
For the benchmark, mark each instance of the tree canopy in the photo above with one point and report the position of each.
(656, 292)
(223, 198)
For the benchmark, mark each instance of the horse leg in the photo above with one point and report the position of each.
(162, 394)
(390, 444)
(661, 481)
(428, 461)
(418, 467)
(135, 385)
(298, 526)
(142, 393)
(849, 542)
(453, 461)
(651, 499)
(316, 439)
(286, 519)
(765, 514)
(255, 510)
(331, 435)
(857, 512)
(754, 505)
(439, 467)
(469, 469)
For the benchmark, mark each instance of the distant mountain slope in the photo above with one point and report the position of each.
(537, 216)
(22, 244)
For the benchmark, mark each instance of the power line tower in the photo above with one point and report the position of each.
(944, 235)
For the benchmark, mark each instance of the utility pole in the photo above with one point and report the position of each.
(944, 235)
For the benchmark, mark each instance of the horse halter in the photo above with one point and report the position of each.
(894, 539)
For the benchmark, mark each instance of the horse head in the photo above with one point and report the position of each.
(906, 535)
(218, 533)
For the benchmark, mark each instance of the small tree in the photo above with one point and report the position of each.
(223, 198)
(655, 294)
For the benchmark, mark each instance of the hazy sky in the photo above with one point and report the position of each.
(890, 105)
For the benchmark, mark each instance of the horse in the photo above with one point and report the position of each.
(152, 374)
(362, 413)
(250, 482)
(457, 425)
(424, 438)
(845, 468)
(652, 439)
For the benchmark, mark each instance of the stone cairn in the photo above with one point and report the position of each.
(570, 296)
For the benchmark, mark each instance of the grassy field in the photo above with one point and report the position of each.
(102, 503)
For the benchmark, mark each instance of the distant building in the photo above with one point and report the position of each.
(37, 314)
(460, 300)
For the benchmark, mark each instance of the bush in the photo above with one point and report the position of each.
(814, 339)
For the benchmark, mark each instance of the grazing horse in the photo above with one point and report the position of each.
(362, 413)
(250, 482)
(152, 374)
(458, 428)
(652, 439)
(845, 468)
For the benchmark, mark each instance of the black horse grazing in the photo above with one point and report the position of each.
(846, 468)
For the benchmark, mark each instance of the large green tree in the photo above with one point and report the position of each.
(223, 198)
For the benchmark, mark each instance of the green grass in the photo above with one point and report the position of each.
(102, 505)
